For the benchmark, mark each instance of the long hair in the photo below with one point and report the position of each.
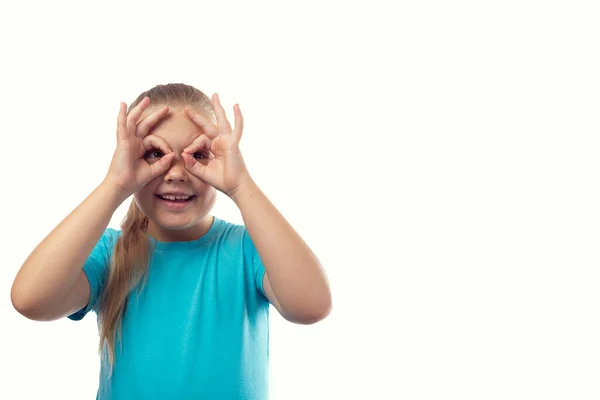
(131, 254)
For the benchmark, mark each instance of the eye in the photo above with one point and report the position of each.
(152, 152)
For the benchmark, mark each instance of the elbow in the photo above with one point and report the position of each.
(313, 314)
(318, 315)
(25, 306)
(19, 303)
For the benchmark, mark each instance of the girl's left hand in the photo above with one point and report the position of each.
(223, 166)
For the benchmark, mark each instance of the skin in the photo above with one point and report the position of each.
(178, 132)
(206, 157)
(162, 151)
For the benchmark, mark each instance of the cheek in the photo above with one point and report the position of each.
(148, 190)
(203, 187)
(139, 200)
(205, 193)
(144, 199)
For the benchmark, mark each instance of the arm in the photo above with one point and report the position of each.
(294, 282)
(51, 283)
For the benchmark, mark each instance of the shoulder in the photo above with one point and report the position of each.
(106, 243)
(112, 233)
(235, 237)
(109, 237)
(232, 232)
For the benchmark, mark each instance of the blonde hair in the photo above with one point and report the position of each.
(131, 254)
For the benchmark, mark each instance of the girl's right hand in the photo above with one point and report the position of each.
(129, 170)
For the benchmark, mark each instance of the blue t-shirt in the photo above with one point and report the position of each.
(199, 329)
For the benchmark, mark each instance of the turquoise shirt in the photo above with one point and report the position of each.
(199, 329)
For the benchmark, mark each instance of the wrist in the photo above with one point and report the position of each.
(242, 190)
(115, 191)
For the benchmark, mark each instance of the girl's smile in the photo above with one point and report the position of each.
(175, 202)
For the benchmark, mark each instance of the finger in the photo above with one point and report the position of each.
(134, 115)
(203, 122)
(161, 166)
(201, 143)
(195, 167)
(121, 122)
(154, 142)
(239, 123)
(143, 126)
(220, 112)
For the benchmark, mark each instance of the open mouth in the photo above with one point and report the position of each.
(172, 198)
(175, 203)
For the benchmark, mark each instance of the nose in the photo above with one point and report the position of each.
(177, 170)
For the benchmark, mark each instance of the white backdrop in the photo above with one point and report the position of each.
(440, 158)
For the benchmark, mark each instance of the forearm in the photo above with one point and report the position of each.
(297, 279)
(53, 266)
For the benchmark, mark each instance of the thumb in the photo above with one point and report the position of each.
(162, 165)
(196, 168)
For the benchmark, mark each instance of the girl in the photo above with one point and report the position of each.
(181, 296)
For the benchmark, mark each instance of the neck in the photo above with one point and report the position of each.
(194, 232)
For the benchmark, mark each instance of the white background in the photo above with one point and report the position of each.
(440, 158)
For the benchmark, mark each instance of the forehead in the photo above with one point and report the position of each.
(176, 128)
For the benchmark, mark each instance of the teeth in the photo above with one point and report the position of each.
(176, 197)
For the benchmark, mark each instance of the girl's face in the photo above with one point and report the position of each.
(185, 221)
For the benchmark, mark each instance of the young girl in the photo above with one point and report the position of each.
(181, 296)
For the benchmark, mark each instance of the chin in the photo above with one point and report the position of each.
(177, 223)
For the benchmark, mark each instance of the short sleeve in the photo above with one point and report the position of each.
(96, 270)
(252, 258)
